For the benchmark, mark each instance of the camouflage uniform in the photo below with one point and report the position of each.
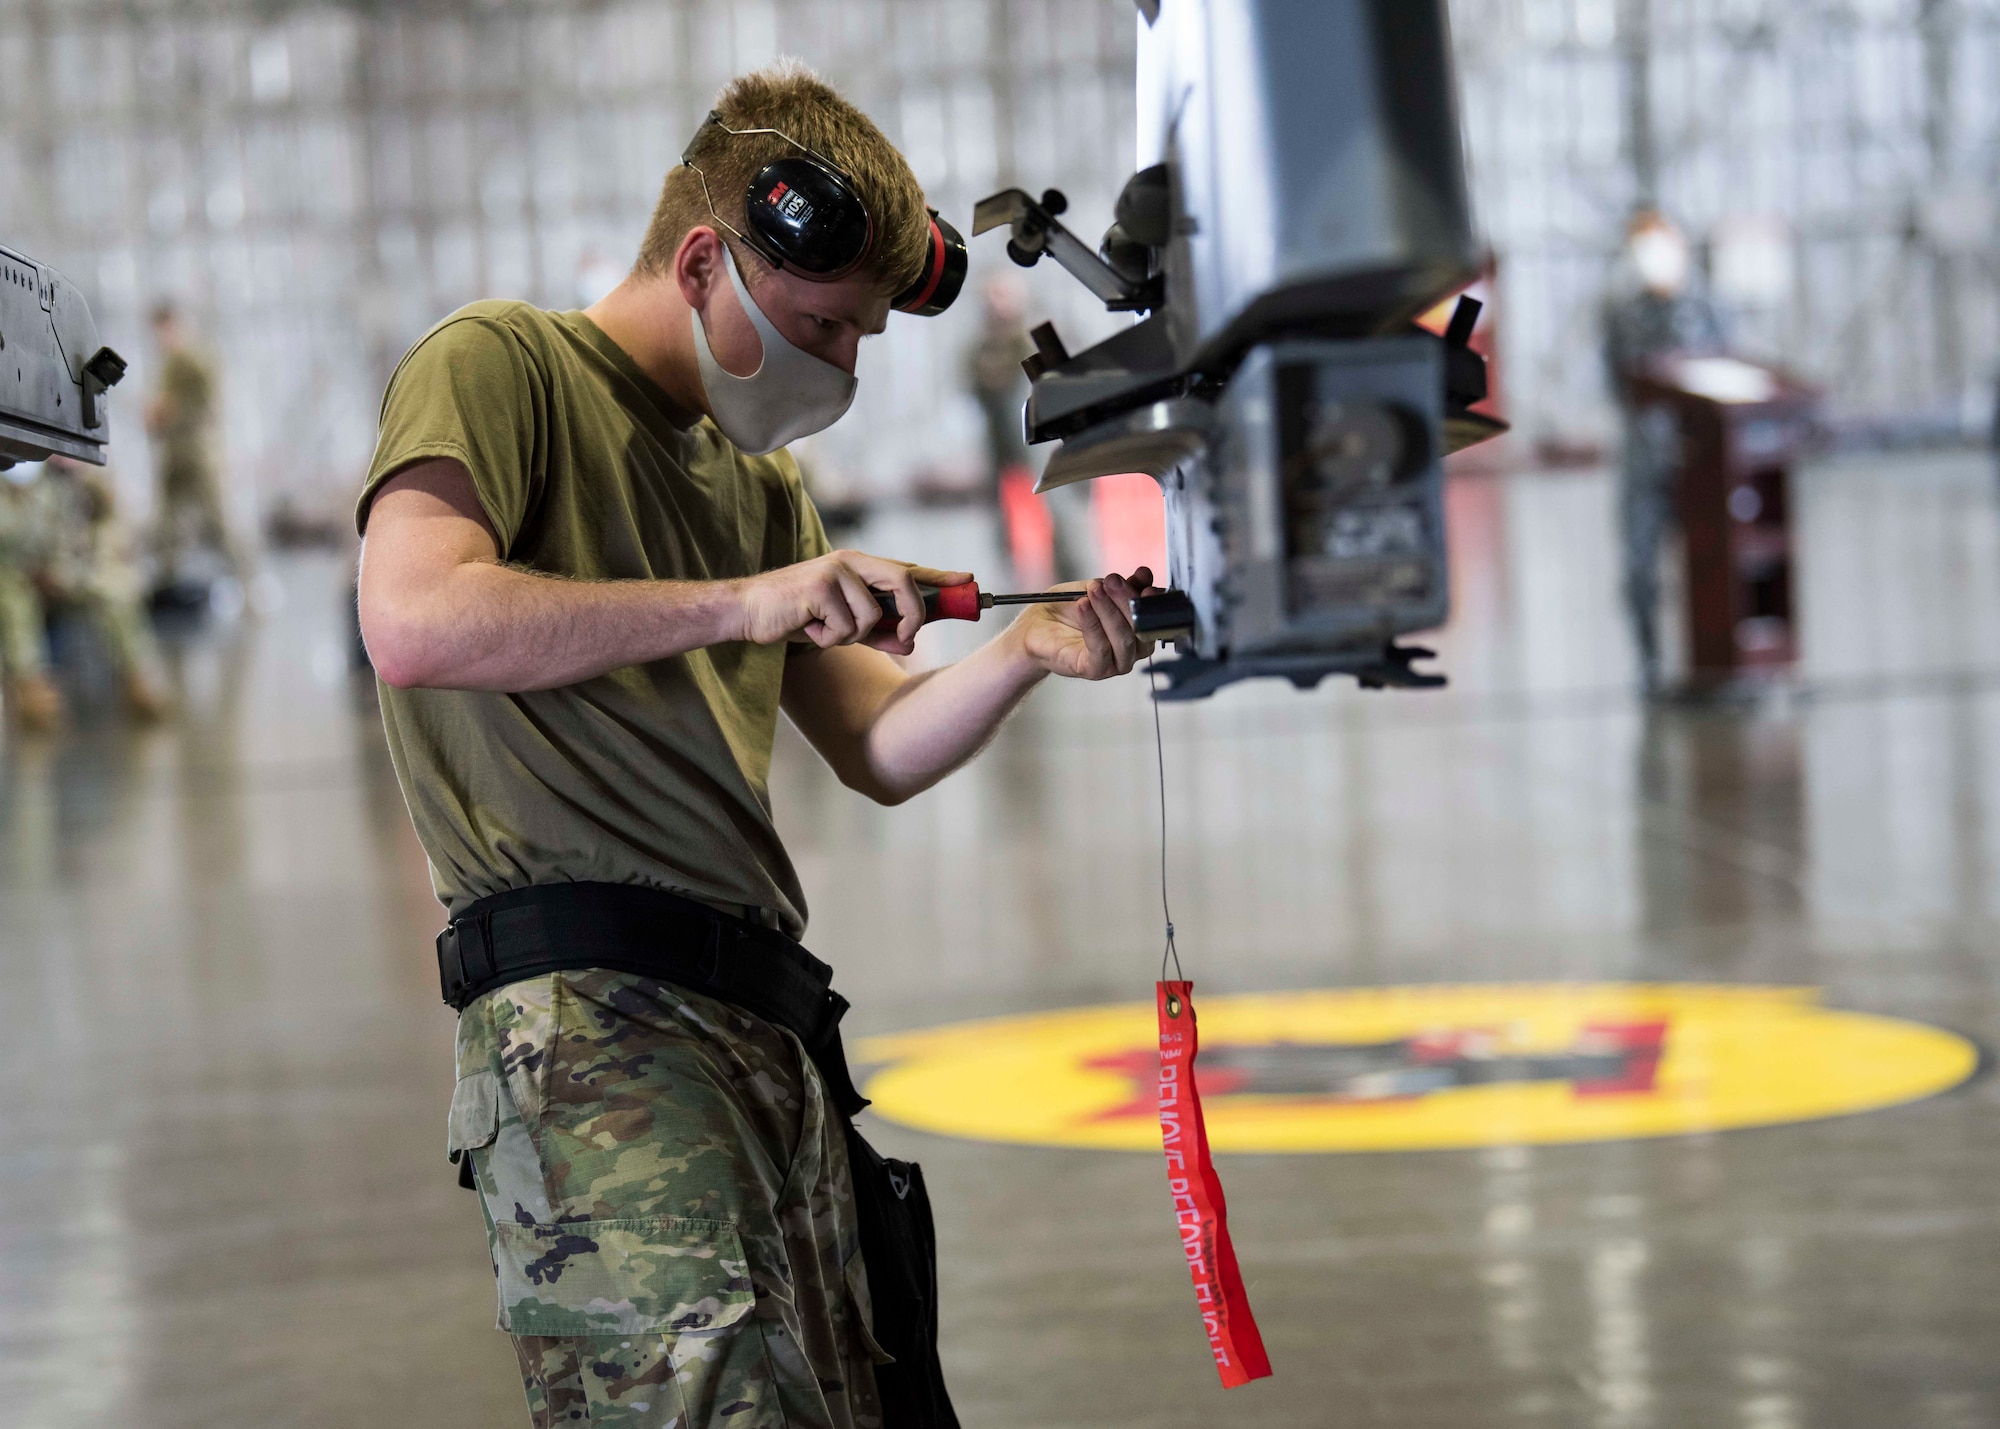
(668, 1209)
(90, 565)
(26, 519)
(190, 500)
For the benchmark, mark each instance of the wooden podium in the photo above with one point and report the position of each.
(1742, 427)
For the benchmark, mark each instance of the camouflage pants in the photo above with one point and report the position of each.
(121, 623)
(191, 506)
(23, 651)
(668, 1207)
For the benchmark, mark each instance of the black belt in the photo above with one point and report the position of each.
(568, 927)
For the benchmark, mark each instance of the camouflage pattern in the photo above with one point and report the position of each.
(190, 495)
(190, 513)
(183, 407)
(668, 1208)
(27, 519)
(92, 564)
(61, 541)
(23, 653)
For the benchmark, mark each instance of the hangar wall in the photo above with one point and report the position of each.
(1836, 159)
(320, 182)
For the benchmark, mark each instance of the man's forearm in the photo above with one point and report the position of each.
(891, 736)
(936, 722)
(487, 626)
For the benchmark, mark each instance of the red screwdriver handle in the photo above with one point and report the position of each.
(952, 602)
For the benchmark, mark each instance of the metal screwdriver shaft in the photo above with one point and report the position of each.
(1034, 597)
(965, 602)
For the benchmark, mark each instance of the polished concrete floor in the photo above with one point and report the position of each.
(223, 1198)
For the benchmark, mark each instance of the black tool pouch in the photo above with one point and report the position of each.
(899, 1249)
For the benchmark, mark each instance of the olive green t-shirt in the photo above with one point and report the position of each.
(654, 774)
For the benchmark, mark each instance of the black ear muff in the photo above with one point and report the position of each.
(804, 216)
(943, 274)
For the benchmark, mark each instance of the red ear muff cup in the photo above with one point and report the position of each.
(943, 276)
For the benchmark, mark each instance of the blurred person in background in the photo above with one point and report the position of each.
(32, 697)
(91, 565)
(1655, 311)
(62, 547)
(1037, 529)
(180, 418)
(590, 580)
(993, 373)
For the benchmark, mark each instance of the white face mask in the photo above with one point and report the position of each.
(1661, 258)
(792, 394)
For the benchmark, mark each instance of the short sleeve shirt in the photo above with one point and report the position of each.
(655, 774)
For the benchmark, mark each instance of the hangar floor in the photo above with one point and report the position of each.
(225, 1200)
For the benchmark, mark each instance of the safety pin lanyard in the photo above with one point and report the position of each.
(1200, 1211)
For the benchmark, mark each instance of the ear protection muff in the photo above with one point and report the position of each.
(801, 214)
(943, 274)
(804, 217)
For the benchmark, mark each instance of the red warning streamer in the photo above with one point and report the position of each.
(1199, 1207)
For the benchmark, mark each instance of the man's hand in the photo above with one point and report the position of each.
(832, 601)
(891, 734)
(1088, 639)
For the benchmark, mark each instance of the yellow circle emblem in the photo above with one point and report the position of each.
(1410, 1068)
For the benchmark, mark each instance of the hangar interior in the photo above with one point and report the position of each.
(228, 1198)
(320, 183)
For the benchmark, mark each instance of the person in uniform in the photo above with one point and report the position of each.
(1655, 313)
(33, 699)
(180, 419)
(996, 380)
(62, 545)
(90, 564)
(590, 580)
(1040, 529)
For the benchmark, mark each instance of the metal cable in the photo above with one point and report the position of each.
(1160, 755)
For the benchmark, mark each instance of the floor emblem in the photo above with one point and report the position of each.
(1412, 1068)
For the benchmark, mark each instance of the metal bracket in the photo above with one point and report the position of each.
(1154, 439)
(1036, 231)
(105, 370)
(1374, 668)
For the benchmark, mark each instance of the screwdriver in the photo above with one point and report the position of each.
(965, 602)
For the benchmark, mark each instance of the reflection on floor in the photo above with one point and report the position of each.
(227, 1202)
